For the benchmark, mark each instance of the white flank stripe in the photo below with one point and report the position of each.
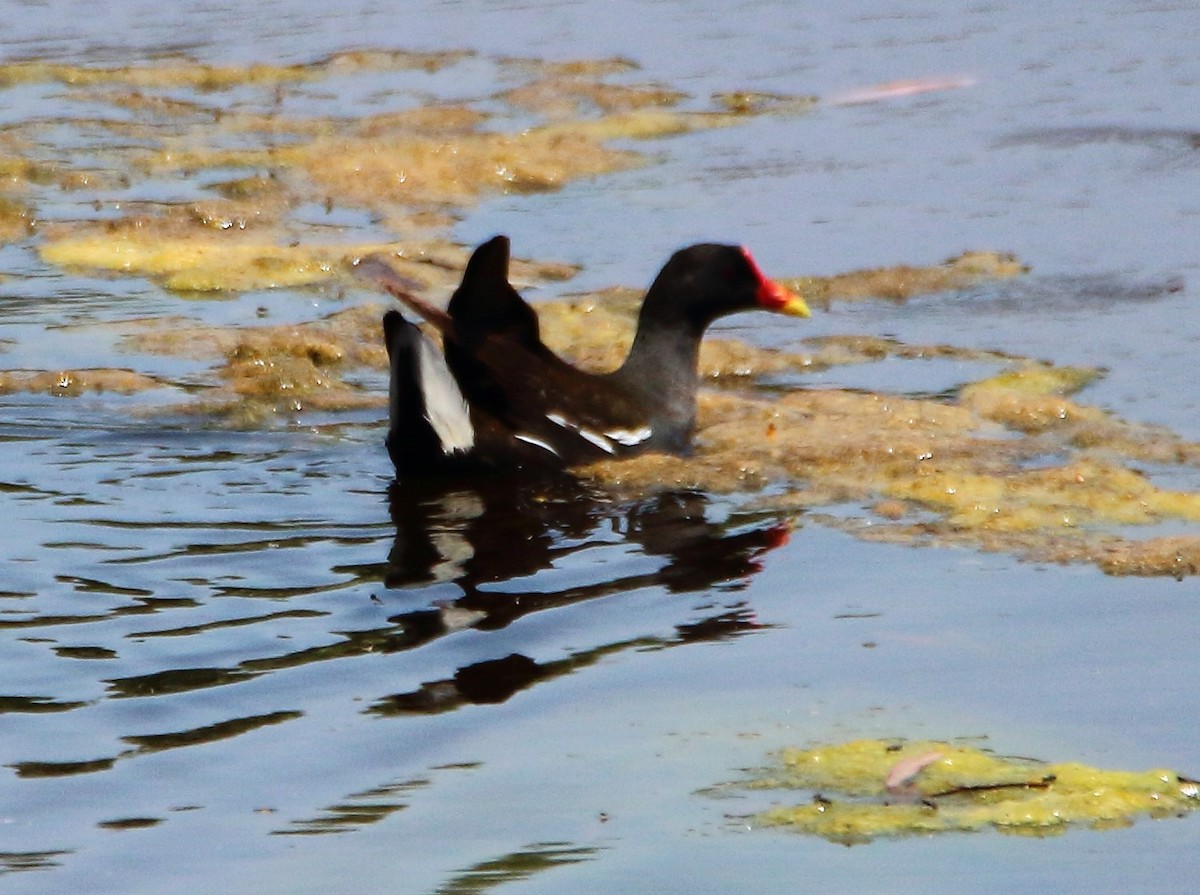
(630, 437)
(598, 440)
(536, 442)
(626, 437)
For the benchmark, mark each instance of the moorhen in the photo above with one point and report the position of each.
(498, 398)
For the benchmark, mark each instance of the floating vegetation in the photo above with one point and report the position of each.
(268, 371)
(1008, 463)
(566, 95)
(16, 220)
(173, 73)
(745, 102)
(72, 383)
(1014, 461)
(867, 789)
(413, 170)
(202, 262)
(902, 282)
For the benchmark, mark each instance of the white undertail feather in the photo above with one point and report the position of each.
(445, 408)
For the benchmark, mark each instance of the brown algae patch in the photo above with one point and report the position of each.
(240, 244)
(72, 383)
(1015, 462)
(866, 789)
(1011, 463)
(748, 102)
(566, 95)
(16, 220)
(902, 282)
(174, 73)
(269, 370)
(414, 170)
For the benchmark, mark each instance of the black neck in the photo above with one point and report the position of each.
(661, 365)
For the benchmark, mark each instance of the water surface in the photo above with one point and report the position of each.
(242, 660)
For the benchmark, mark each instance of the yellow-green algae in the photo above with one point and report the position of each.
(211, 248)
(205, 262)
(563, 96)
(16, 220)
(413, 169)
(268, 370)
(903, 281)
(972, 470)
(1013, 462)
(181, 71)
(969, 470)
(75, 382)
(959, 788)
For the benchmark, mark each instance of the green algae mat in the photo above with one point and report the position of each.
(867, 789)
(1015, 460)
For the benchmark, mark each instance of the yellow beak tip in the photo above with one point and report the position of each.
(796, 307)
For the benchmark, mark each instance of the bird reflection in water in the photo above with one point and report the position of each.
(507, 544)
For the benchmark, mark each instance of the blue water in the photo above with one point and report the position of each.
(231, 664)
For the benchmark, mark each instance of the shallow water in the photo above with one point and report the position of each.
(237, 659)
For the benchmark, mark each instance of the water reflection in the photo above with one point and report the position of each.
(500, 530)
(31, 860)
(511, 549)
(493, 539)
(196, 600)
(503, 544)
(169, 618)
(516, 866)
(495, 680)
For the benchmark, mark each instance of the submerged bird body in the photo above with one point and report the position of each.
(522, 405)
